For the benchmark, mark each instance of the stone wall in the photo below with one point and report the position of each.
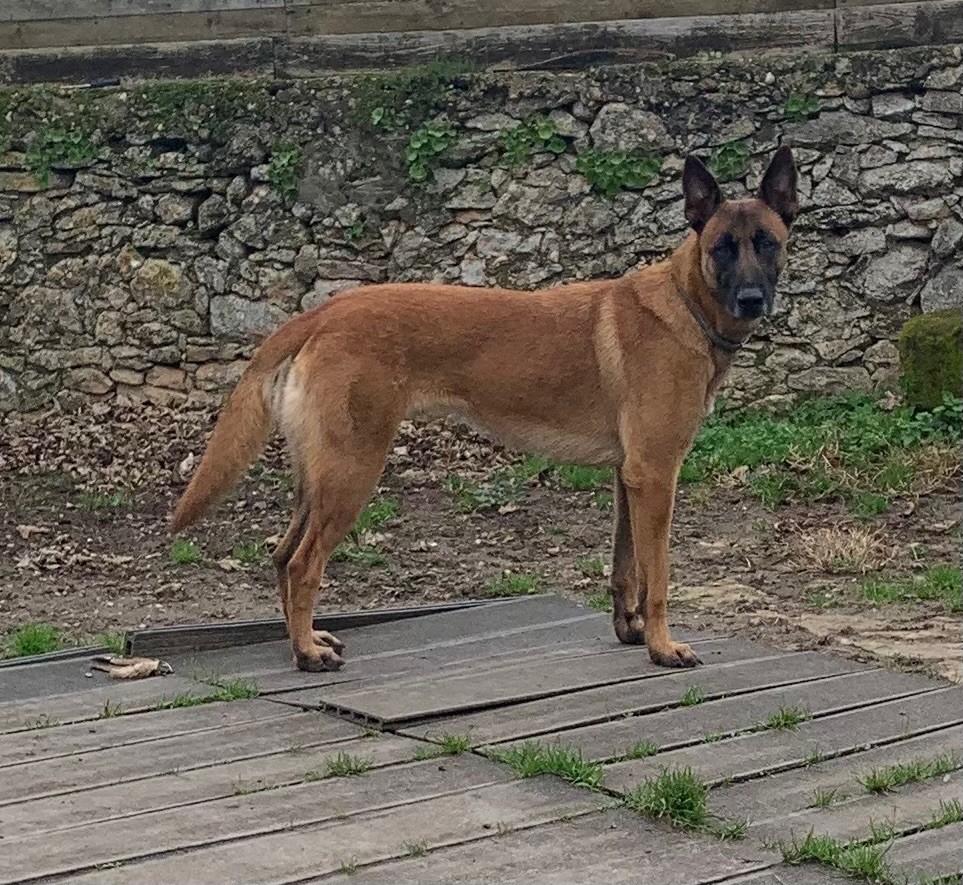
(150, 234)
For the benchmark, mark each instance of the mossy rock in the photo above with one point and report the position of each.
(931, 357)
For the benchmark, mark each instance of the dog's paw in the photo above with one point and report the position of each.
(629, 630)
(321, 658)
(323, 637)
(674, 654)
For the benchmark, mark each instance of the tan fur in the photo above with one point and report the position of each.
(606, 372)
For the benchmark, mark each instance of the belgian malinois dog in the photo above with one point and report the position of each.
(615, 372)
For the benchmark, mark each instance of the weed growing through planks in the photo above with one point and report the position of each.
(854, 858)
(940, 583)
(711, 737)
(601, 602)
(245, 788)
(640, 750)
(531, 759)
(692, 696)
(448, 745)
(342, 765)
(503, 829)
(728, 830)
(348, 867)
(110, 710)
(884, 779)
(814, 757)
(44, 721)
(32, 639)
(512, 584)
(415, 849)
(822, 798)
(185, 552)
(236, 689)
(787, 718)
(948, 813)
(676, 794)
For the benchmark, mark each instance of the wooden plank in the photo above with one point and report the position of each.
(900, 24)
(322, 849)
(240, 817)
(773, 798)
(162, 28)
(65, 774)
(189, 787)
(481, 686)
(29, 680)
(609, 702)
(118, 731)
(47, 10)
(927, 856)
(905, 810)
(613, 846)
(787, 874)
(78, 706)
(684, 726)
(307, 17)
(108, 64)
(160, 641)
(560, 46)
(755, 754)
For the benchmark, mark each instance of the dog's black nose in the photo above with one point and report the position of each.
(750, 302)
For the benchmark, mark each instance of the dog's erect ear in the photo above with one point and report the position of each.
(702, 194)
(778, 187)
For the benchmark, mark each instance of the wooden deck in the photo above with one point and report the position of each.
(221, 792)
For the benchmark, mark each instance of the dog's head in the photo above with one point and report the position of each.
(742, 243)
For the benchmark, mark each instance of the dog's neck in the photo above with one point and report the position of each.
(719, 326)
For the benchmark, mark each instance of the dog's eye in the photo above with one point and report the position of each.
(726, 248)
(763, 243)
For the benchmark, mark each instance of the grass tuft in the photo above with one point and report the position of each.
(591, 566)
(32, 639)
(249, 552)
(692, 696)
(512, 584)
(415, 849)
(854, 858)
(676, 794)
(824, 798)
(185, 552)
(342, 765)
(640, 750)
(940, 583)
(948, 813)
(531, 759)
(448, 745)
(601, 602)
(787, 718)
(884, 779)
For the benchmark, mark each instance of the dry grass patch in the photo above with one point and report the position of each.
(846, 548)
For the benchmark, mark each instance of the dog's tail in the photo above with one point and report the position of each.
(245, 423)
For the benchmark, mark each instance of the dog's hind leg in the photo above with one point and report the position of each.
(334, 506)
(628, 593)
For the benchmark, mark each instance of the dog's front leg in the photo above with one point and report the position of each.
(650, 491)
(628, 593)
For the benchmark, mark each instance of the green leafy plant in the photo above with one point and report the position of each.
(425, 145)
(854, 858)
(52, 147)
(249, 552)
(539, 134)
(729, 161)
(502, 489)
(185, 552)
(676, 794)
(448, 745)
(612, 171)
(342, 765)
(284, 168)
(787, 718)
(889, 777)
(692, 696)
(97, 501)
(799, 107)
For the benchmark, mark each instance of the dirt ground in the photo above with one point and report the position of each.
(84, 501)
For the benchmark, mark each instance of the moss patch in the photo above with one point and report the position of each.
(931, 356)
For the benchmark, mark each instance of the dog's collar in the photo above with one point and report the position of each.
(716, 339)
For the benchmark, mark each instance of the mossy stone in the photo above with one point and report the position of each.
(931, 357)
